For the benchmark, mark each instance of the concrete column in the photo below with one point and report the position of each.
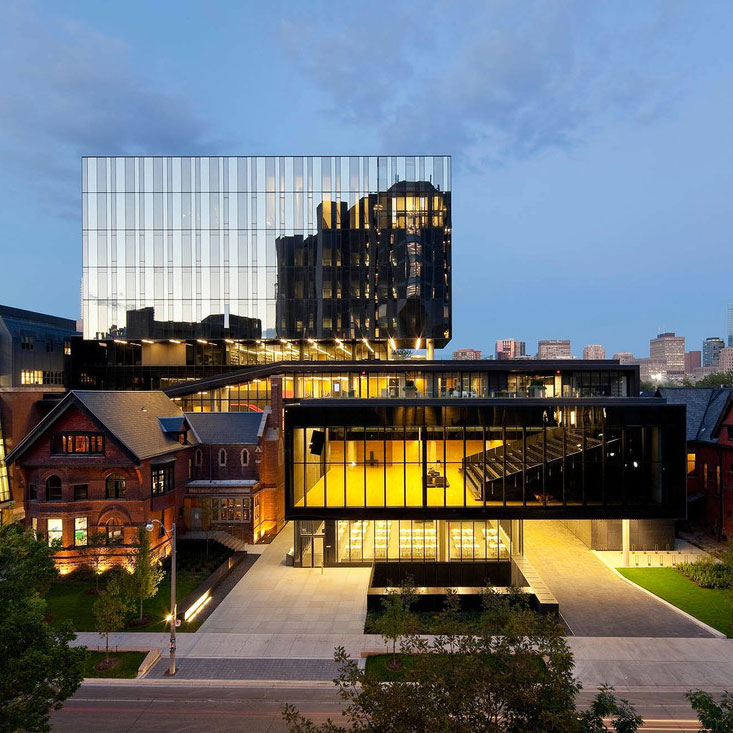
(625, 541)
(389, 352)
(430, 349)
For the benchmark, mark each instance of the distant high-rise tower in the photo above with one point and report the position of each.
(711, 350)
(554, 349)
(668, 352)
(509, 349)
(594, 351)
(730, 324)
(692, 361)
(624, 357)
(467, 355)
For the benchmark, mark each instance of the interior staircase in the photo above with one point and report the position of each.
(486, 471)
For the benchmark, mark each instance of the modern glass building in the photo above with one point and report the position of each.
(287, 247)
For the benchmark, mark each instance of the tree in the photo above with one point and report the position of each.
(111, 610)
(146, 572)
(719, 379)
(38, 667)
(95, 552)
(714, 717)
(397, 619)
(518, 680)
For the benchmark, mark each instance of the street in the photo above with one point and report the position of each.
(256, 707)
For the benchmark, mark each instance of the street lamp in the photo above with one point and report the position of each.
(174, 607)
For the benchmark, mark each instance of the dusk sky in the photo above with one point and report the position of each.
(592, 142)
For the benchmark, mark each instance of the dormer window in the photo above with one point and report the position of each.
(222, 457)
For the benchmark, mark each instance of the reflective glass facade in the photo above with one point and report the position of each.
(540, 458)
(267, 247)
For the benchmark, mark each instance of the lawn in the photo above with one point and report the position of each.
(709, 605)
(126, 667)
(376, 666)
(68, 600)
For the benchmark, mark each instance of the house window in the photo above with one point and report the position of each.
(81, 491)
(115, 486)
(162, 479)
(32, 492)
(87, 443)
(231, 510)
(53, 488)
(49, 345)
(199, 457)
(67, 348)
(245, 457)
(55, 531)
(80, 531)
(222, 457)
(717, 479)
(690, 464)
(115, 533)
(730, 432)
(26, 343)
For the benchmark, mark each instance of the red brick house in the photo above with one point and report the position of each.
(709, 455)
(108, 462)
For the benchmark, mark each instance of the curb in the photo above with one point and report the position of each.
(689, 617)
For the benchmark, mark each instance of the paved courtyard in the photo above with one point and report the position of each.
(273, 598)
(594, 601)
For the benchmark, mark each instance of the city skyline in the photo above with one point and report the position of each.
(545, 214)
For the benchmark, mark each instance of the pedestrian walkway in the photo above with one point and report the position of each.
(196, 668)
(273, 598)
(594, 601)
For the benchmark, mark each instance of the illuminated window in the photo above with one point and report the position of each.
(89, 443)
(31, 376)
(115, 533)
(55, 531)
(162, 478)
(690, 464)
(80, 531)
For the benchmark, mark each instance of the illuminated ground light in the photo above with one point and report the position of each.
(195, 609)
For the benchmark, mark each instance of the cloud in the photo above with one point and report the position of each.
(496, 81)
(69, 90)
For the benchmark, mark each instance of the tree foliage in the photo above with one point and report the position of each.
(714, 717)
(95, 552)
(111, 609)
(38, 667)
(518, 680)
(397, 618)
(146, 572)
(718, 379)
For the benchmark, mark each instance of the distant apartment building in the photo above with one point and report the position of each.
(467, 355)
(692, 361)
(554, 349)
(711, 350)
(594, 351)
(725, 360)
(730, 324)
(668, 352)
(624, 357)
(510, 349)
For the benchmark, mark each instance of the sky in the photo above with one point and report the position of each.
(591, 141)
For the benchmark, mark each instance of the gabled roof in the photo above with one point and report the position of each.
(227, 428)
(706, 406)
(132, 418)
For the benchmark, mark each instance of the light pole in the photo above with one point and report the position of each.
(174, 605)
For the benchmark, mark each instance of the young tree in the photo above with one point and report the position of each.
(95, 552)
(111, 610)
(397, 619)
(38, 667)
(146, 573)
(719, 379)
(714, 717)
(518, 680)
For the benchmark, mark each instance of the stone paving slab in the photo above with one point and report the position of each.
(594, 601)
(314, 670)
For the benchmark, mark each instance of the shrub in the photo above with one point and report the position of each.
(707, 573)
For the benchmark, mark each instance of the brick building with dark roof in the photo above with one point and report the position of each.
(709, 454)
(105, 461)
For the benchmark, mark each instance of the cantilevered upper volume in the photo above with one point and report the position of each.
(288, 247)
